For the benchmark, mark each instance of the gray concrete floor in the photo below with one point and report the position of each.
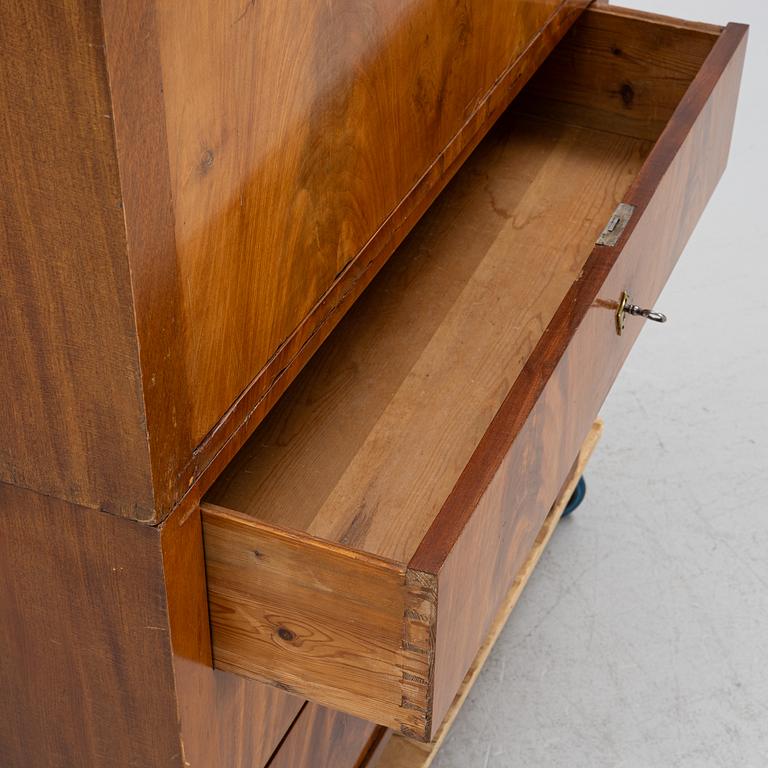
(642, 638)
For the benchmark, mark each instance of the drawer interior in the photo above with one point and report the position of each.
(370, 439)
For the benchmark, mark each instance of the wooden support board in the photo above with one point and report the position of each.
(401, 752)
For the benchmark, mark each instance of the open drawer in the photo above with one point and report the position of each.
(359, 545)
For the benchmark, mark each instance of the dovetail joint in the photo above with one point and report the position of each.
(418, 644)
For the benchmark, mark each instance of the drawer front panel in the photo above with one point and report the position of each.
(478, 555)
(323, 738)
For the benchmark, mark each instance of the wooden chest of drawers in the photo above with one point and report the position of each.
(260, 503)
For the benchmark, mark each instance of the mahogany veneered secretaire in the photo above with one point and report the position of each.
(308, 311)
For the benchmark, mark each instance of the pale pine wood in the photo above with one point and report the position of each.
(402, 752)
(368, 444)
(225, 719)
(318, 619)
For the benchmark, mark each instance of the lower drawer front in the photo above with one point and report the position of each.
(322, 738)
(360, 545)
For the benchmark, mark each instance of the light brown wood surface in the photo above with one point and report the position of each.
(526, 452)
(428, 441)
(394, 381)
(401, 752)
(376, 431)
(309, 607)
(132, 55)
(122, 196)
(225, 719)
(281, 174)
(271, 157)
(622, 71)
(99, 413)
(221, 445)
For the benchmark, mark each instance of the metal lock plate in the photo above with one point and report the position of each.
(616, 225)
(621, 312)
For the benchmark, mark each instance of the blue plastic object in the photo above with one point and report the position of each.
(576, 497)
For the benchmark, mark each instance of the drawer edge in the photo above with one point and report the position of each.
(273, 621)
(324, 737)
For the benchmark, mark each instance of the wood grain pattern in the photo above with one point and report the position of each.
(276, 169)
(91, 262)
(372, 424)
(278, 202)
(624, 71)
(401, 752)
(65, 290)
(523, 430)
(322, 738)
(102, 653)
(679, 176)
(138, 112)
(253, 599)
(207, 218)
(225, 719)
(222, 444)
(86, 674)
(310, 617)
(377, 750)
(506, 522)
(84, 593)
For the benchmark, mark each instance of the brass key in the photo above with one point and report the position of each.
(626, 307)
